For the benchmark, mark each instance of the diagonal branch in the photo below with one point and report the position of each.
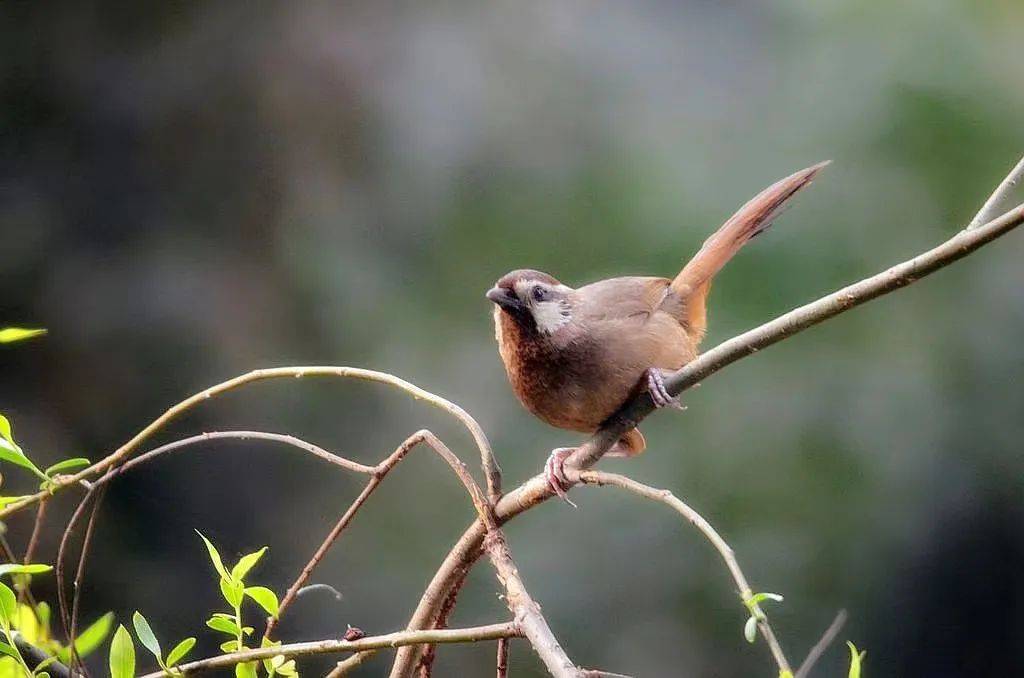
(819, 648)
(536, 490)
(990, 210)
(666, 497)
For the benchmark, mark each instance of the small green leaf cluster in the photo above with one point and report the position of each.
(11, 452)
(753, 603)
(33, 625)
(235, 590)
(122, 649)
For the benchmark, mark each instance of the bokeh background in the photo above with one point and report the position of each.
(193, 190)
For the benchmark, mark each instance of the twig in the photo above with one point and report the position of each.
(390, 640)
(990, 210)
(378, 473)
(37, 529)
(345, 666)
(424, 668)
(122, 453)
(536, 490)
(8, 553)
(724, 550)
(83, 556)
(501, 663)
(819, 648)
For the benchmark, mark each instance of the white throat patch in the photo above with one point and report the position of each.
(550, 315)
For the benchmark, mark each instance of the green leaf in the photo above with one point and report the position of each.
(67, 465)
(90, 639)
(179, 651)
(12, 453)
(246, 670)
(218, 564)
(146, 636)
(6, 501)
(43, 664)
(288, 668)
(264, 597)
(245, 564)
(785, 674)
(9, 335)
(8, 604)
(232, 592)
(43, 613)
(8, 650)
(750, 630)
(229, 646)
(759, 598)
(855, 660)
(227, 626)
(122, 654)
(5, 429)
(15, 568)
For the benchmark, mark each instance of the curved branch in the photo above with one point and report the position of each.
(490, 465)
(536, 490)
(396, 639)
(666, 497)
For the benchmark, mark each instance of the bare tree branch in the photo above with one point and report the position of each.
(536, 490)
(491, 469)
(501, 663)
(345, 666)
(397, 639)
(724, 550)
(990, 210)
(819, 648)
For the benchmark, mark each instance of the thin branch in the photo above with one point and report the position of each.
(536, 490)
(819, 648)
(723, 548)
(122, 453)
(501, 663)
(390, 640)
(345, 666)
(83, 556)
(378, 473)
(990, 210)
(37, 529)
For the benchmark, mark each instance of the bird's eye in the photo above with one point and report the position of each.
(539, 293)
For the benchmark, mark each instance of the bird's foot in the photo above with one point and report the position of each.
(659, 394)
(554, 472)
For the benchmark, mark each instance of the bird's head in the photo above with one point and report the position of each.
(534, 300)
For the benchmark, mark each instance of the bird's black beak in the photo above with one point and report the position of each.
(505, 298)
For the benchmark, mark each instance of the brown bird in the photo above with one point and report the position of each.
(574, 356)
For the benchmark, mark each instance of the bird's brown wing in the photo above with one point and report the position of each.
(636, 323)
(631, 299)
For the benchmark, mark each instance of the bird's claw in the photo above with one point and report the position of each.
(554, 472)
(659, 394)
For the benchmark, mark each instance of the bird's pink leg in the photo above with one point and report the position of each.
(554, 472)
(659, 394)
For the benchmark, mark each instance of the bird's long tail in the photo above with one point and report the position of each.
(694, 282)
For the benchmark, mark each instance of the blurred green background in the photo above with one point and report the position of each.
(193, 190)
